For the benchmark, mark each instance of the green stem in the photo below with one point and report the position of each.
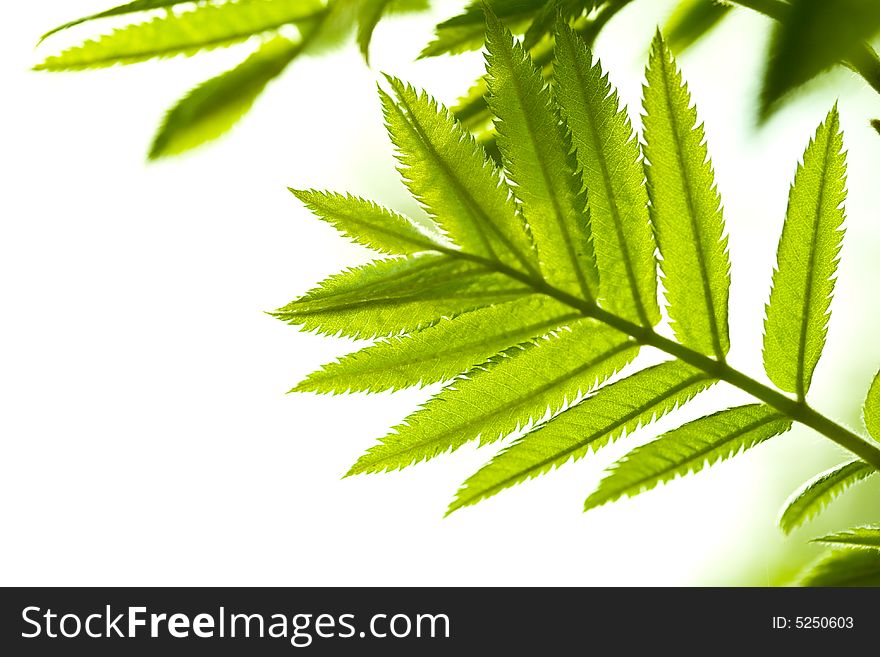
(796, 410)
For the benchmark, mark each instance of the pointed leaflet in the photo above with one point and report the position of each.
(688, 449)
(614, 410)
(685, 210)
(809, 500)
(609, 154)
(389, 297)
(441, 351)
(369, 14)
(871, 413)
(451, 176)
(205, 26)
(846, 568)
(504, 395)
(121, 10)
(803, 283)
(863, 537)
(215, 106)
(536, 155)
(369, 224)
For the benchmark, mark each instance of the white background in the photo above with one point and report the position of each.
(146, 435)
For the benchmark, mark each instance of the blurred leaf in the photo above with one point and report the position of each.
(863, 537)
(369, 15)
(121, 10)
(692, 20)
(809, 500)
(872, 408)
(215, 106)
(845, 568)
(206, 26)
(812, 37)
(467, 30)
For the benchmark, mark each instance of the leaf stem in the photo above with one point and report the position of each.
(797, 410)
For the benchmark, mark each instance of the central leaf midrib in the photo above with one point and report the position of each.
(596, 435)
(694, 456)
(542, 166)
(701, 256)
(635, 289)
(460, 349)
(470, 202)
(811, 266)
(543, 389)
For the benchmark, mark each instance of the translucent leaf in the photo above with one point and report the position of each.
(871, 413)
(614, 410)
(685, 210)
(536, 154)
(504, 395)
(689, 449)
(215, 106)
(205, 26)
(389, 297)
(451, 176)
(369, 224)
(121, 10)
(610, 158)
(809, 500)
(441, 351)
(806, 263)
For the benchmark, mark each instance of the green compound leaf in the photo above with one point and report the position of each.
(811, 498)
(861, 537)
(369, 224)
(449, 173)
(205, 26)
(845, 568)
(504, 395)
(441, 351)
(213, 107)
(689, 449)
(536, 154)
(609, 155)
(616, 409)
(803, 282)
(390, 297)
(685, 210)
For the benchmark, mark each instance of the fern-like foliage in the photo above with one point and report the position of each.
(532, 290)
(812, 35)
